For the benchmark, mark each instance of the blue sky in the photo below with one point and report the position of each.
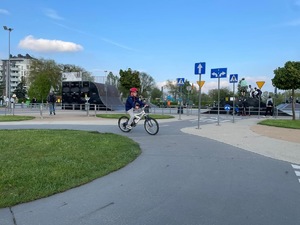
(164, 38)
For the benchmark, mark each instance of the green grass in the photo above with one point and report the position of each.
(293, 124)
(8, 118)
(39, 163)
(117, 116)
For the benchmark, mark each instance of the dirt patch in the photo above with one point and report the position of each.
(286, 134)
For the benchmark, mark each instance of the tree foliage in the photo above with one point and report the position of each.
(20, 90)
(44, 75)
(147, 84)
(112, 79)
(288, 78)
(128, 79)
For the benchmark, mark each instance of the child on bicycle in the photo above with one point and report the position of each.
(132, 102)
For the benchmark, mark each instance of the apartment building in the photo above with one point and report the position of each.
(19, 67)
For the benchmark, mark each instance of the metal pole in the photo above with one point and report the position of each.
(233, 101)
(8, 67)
(219, 100)
(180, 92)
(199, 104)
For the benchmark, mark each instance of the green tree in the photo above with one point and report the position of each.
(288, 78)
(156, 93)
(44, 75)
(20, 90)
(224, 92)
(129, 79)
(147, 84)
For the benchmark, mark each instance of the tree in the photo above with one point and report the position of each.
(172, 88)
(156, 93)
(39, 88)
(20, 90)
(44, 75)
(112, 79)
(147, 84)
(129, 79)
(288, 78)
(224, 92)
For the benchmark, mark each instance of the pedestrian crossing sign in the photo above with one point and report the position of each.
(180, 81)
(233, 78)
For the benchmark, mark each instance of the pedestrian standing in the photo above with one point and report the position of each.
(269, 106)
(51, 99)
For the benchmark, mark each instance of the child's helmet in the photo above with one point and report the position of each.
(133, 89)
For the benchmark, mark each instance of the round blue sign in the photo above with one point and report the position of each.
(227, 107)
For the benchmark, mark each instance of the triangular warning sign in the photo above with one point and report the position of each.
(260, 84)
(201, 83)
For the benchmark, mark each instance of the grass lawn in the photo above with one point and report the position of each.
(117, 116)
(39, 163)
(9, 118)
(285, 123)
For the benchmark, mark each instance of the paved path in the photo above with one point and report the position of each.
(277, 143)
(175, 184)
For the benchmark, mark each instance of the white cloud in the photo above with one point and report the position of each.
(4, 11)
(53, 14)
(44, 45)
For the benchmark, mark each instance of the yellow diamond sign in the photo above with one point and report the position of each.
(260, 84)
(201, 83)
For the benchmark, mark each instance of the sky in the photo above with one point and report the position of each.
(163, 38)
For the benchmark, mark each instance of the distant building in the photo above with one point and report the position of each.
(19, 67)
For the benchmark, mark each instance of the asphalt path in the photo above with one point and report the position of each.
(179, 179)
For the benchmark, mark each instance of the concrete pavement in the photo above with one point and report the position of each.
(240, 134)
(278, 143)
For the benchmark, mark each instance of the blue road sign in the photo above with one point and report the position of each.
(180, 81)
(233, 78)
(200, 68)
(227, 107)
(218, 73)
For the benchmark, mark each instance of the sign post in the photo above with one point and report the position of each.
(188, 88)
(260, 84)
(199, 69)
(233, 78)
(180, 83)
(218, 73)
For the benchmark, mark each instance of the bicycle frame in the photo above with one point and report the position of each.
(139, 116)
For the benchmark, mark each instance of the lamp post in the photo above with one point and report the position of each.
(8, 67)
(105, 71)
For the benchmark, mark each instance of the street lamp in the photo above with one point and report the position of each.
(8, 67)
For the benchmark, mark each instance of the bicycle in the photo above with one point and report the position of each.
(150, 124)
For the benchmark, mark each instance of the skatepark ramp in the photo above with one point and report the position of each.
(104, 96)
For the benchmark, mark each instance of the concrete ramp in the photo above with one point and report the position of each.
(104, 96)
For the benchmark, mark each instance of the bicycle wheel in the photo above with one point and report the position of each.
(122, 123)
(151, 126)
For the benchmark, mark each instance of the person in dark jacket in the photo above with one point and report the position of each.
(269, 106)
(51, 99)
(132, 102)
